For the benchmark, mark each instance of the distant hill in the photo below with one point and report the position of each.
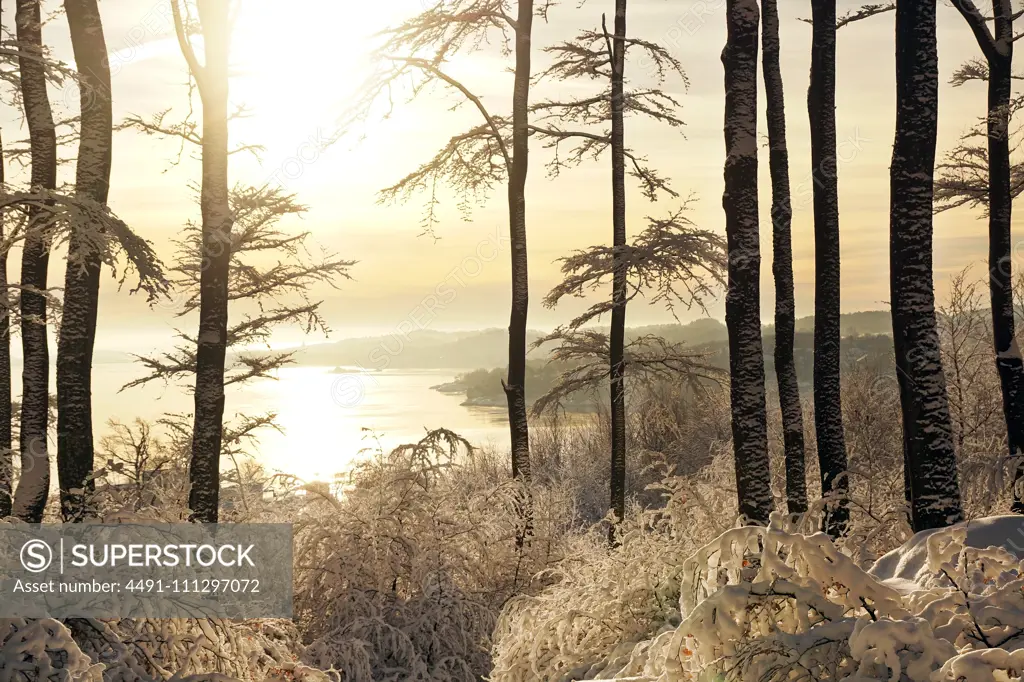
(488, 348)
(420, 349)
(855, 324)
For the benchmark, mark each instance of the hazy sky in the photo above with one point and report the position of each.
(297, 68)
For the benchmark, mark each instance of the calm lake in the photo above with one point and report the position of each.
(327, 418)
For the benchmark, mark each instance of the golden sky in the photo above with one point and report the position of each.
(297, 68)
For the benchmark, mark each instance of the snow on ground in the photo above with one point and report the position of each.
(906, 568)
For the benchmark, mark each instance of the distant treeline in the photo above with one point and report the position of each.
(482, 387)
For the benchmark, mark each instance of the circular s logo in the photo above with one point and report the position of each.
(36, 556)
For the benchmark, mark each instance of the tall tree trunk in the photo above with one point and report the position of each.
(1000, 261)
(782, 263)
(617, 337)
(742, 304)
(828, 410)
(34, 485)
(515, 386)
(82, 278)
(204, 472)
(6, 453)
(927, 431)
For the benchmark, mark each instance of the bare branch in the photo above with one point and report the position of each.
(181, 32)
(864, 12)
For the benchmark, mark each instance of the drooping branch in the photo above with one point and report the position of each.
(411, 60)
(585, 353)
(472, 164)
(672, 261)
(100, 230)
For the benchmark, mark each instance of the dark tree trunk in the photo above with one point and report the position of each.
(999, 55)
(828, 410)
(617, 336)
(204, 472)
(34, 484)
(742, 305)
(6, 453)
(515, 386)
(927, 431)
(82, 278)
(782, 264)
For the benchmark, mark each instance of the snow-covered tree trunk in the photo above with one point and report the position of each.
(617, 336)
(742, 304)
(515, 386)
(6, 415)
(212, 77)
(82, 277)
(782, 263)
(929, 456)
(998, 51)
(828, 411)
(34, 484)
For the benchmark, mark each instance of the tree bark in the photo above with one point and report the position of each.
(742, 305)
(6, 412)
(34, 484)
(204, 471)
(617, 336)
(929, 455)
(782, 263)
(828, 410)
(515, 386)
(998, 53)
(82, 278)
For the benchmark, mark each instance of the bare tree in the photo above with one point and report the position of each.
(782, 263)
(742, 304)
(932, 485)
(617, 336)
(82, 278)
(211, 79)
(270, 277)
(34, 484)
(997, 48)
(602, 56)
(414, 56)
(222, 261)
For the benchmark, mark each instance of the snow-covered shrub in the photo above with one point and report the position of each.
(402, 577)
(143, 650)
(764, 604)
(42, 649)
(605, 601)
(140, 650)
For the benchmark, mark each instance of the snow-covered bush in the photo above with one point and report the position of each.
(42, 649)
(402, 577)
(766, 604)
(140, 650)
(605, 601)
(144, 650)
